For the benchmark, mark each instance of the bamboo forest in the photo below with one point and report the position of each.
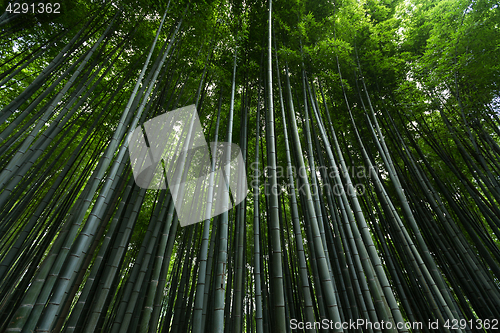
(368, 139)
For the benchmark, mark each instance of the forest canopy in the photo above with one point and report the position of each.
(370, 135)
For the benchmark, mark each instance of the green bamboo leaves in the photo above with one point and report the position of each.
(371, 149)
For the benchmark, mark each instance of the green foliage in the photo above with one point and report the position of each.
(411, 87)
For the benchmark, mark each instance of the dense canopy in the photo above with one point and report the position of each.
(370, 132)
